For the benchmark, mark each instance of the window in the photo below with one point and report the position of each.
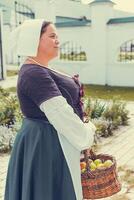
(126, 52)
(71, 51)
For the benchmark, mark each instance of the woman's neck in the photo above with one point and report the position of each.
(37, 60)
(31, 60)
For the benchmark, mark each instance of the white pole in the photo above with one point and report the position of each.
(2, 52)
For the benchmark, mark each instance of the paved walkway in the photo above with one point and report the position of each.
(9, 82)
(3, 170)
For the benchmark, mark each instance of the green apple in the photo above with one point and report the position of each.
(83, 170)
(97, 162)
(101, 166)
(93, 166)
(108, 163)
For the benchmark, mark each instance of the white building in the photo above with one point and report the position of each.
(97, 41)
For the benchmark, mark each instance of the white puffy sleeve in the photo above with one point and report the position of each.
(61, 115)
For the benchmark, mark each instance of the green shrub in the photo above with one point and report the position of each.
(93, 108)
(116, 112)
(9, 108)
(106, 116)
(104, 128)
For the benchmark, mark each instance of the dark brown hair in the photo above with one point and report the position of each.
(45, 24)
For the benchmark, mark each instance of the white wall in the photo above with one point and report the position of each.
(117, 35)
(80, 35)
(100, 41)
(86, 73)
(119, 73)
(72, 9)
(44, 9)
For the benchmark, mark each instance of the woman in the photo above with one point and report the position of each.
(45, 160)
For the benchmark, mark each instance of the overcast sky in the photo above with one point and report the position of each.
(126, 5)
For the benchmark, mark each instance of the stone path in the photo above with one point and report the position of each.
(10, 81)
(4, 158)
(121, 146)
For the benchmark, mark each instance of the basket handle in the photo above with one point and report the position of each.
(88, 153)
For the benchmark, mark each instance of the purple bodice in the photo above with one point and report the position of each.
(37, 84)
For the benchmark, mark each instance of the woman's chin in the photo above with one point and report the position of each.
(55, 56)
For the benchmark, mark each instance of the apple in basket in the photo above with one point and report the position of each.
(98, 164)
(83, 165)
(92, 166)
(83, 170)
(108, 163)
(101, 166)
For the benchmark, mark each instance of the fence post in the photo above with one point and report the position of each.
(2, 55)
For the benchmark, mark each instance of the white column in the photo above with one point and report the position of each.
(100, 14)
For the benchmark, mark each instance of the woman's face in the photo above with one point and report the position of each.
(49, 43)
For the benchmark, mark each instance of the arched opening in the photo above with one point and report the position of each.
(126, 53)
(71, 51)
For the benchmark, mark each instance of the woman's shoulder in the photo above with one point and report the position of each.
(33, 70)
(30, 76)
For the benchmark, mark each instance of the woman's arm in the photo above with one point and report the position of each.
(61, 115)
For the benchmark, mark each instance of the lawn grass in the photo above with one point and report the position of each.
(12, 72)
(12, 90)
(95, 91)
(102, 92)
(107, 92)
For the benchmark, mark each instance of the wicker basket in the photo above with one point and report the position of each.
(101, 182)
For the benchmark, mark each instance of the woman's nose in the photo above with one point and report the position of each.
(57, 41)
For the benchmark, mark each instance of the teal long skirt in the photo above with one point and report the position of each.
(37, 168)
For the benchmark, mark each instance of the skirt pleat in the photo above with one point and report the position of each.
(37, 168)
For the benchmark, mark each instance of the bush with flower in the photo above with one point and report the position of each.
(106, 116)
(10, 119)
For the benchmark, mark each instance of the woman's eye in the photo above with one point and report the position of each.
(52, 36)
